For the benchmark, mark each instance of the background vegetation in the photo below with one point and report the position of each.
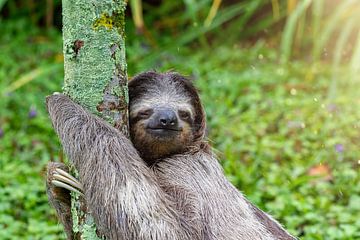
(279, 81)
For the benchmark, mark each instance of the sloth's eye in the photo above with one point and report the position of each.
(145, 113)
(185, 115)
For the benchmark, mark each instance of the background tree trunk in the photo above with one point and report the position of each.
(95, 73)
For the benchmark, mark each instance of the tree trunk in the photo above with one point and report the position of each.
(95, 74)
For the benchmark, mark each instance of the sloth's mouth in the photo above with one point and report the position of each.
(164, 129)
(164, 133)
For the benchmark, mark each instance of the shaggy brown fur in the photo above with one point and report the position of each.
(157, 186)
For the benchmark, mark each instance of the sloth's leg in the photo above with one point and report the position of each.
(59, 195)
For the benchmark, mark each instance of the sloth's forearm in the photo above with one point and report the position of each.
(85, 137)
(72, 124)
(119, 188)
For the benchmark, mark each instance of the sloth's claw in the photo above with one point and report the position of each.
(65, 180)
(71, 180)
(66, 186)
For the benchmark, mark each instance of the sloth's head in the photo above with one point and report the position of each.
(166, 116)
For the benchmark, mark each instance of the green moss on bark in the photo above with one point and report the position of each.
(95, 74)
(90, 66)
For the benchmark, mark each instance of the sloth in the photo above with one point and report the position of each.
(164, 182)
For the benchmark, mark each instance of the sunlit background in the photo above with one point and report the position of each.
(279, 80)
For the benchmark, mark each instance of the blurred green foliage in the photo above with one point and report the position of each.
(286, 132)
(27, 142)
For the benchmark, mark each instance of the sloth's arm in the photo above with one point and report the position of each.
(120, 190)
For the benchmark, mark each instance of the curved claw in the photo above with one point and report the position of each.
(66, 177)
(66, 186)
(63, 179)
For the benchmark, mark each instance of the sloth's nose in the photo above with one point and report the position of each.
(167, 118)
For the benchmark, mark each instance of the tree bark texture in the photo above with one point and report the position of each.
(95, 74)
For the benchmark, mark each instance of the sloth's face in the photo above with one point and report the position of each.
(161, 122)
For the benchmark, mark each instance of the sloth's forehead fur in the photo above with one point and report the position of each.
(164, 92)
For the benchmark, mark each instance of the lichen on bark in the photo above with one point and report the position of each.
(93, 66)
(95, 74)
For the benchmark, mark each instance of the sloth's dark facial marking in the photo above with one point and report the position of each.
(162, 115)
(164, 123)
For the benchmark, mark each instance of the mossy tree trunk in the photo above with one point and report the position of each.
(95, 73)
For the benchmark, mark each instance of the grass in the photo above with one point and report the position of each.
(283, 140)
